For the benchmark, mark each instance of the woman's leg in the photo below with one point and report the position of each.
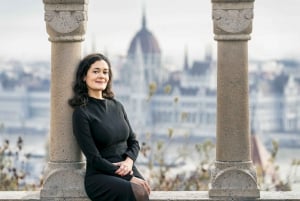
(101, 187)
(139, 192)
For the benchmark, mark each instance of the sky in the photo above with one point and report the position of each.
(177, 25)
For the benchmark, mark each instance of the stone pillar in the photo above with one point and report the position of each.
(233, 174)
(66, 25)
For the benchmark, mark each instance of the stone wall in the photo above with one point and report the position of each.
(160, 196)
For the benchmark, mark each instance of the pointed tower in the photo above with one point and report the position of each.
(138, 84)
(150, 51)
(208, 53)
(186, 60)
(138, 87)
(94, 44)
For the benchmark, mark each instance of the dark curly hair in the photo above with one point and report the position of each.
(80, 90)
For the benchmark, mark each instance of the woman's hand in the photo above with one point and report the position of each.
(125, 167)
(142, 183)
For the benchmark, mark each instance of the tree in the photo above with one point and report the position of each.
(12, 167)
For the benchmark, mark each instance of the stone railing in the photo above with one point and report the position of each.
(233, 175)
(162, 196)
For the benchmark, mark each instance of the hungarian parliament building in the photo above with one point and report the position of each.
(158, 101)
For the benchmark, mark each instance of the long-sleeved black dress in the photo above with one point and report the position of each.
(104, 135)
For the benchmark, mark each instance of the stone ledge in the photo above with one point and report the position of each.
(161, 196)
(203, 196)
(19, 195)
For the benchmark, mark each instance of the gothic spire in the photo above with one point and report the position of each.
(186, 60)
(144, 22)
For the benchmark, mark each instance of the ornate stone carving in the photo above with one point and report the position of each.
(236, 179)
(233, 21)
(66, 22)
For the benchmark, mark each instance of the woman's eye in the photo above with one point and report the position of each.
(105, 72)
(96, 72)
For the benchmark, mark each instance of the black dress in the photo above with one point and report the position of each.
(104, 135)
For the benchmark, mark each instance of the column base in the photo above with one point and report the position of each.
(64, 181)
(233, 179)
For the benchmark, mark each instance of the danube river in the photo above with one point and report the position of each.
(36, 145)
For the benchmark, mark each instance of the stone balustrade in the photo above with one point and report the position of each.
(162, 196)
(233, 175)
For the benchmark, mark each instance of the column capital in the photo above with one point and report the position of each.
(66, 20)
(232, 19)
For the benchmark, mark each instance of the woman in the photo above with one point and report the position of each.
(103, 133)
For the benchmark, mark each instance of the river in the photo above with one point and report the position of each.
(36, 145)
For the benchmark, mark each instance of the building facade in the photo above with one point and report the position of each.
(157, 99)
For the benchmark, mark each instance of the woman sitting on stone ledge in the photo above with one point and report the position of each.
(103, 133)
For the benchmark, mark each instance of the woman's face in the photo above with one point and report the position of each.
(97, 78)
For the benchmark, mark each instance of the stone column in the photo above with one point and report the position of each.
(233, 174)
(66, 25)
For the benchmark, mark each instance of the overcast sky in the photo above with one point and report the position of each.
(175, 23)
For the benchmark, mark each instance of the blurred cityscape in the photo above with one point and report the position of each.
(157, 100)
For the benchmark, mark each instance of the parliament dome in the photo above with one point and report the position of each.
(148, 42)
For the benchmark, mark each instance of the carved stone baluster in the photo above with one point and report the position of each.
(233, 174)
(66, 25)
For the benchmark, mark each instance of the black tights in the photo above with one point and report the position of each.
(139, 192)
